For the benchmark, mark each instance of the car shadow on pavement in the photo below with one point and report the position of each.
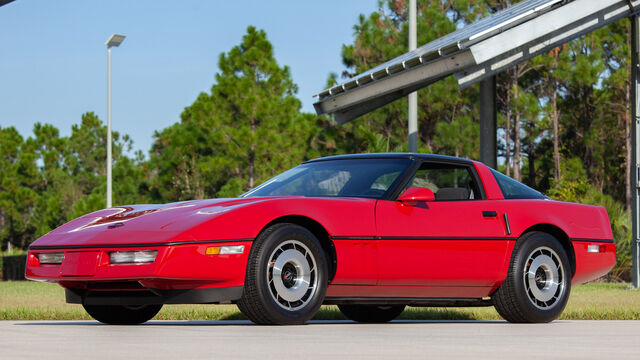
(249, 323)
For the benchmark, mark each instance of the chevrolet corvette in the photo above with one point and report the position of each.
(370, 233)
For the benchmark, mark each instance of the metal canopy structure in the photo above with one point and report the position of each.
(477, 52)
(474, 52)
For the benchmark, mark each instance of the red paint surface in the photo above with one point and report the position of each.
(591, 266)
(357, 262)
(78, 263)
(409, 291)
(438, 259)
(175, 267)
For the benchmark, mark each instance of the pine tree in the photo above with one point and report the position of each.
(249, 128)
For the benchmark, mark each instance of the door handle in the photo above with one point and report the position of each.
(489, 214)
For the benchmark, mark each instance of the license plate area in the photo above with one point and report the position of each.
(80, 263)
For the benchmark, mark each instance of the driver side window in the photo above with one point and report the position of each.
(448, 182)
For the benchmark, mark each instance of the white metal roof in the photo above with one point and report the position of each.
(474, 52)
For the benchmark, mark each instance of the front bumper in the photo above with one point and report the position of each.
(154, 296)
(177, 268)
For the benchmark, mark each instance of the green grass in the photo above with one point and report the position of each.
(26, 300)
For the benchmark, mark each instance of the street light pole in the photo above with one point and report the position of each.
(109, 157)
(114, 40)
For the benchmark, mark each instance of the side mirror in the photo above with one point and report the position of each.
(415, 194)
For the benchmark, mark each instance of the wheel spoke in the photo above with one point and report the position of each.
(293, 280)
(543, 278)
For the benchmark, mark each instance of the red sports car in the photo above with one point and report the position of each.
(372, 233)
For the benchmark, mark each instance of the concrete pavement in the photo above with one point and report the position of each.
(320, 340)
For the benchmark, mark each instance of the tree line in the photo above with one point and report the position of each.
(564, 128)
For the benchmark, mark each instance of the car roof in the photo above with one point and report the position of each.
(417, 156)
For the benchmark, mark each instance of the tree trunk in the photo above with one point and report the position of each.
(588, 115)
(10, 235)
(552, 85)
(2, 222)
(507, 145)
(556, 144)
(252, 155)
(516, 137)
(252, 158)
(507, 136)
(532, 157)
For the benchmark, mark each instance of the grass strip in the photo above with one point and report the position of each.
(26, 300)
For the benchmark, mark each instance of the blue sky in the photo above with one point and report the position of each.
(53, 61)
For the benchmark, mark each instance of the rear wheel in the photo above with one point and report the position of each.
(121, 314)
(538, 284)
(371, 313)
(286, 277)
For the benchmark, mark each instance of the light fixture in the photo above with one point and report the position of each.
(115, 40)
(51, 258)
(225, 250)
(138, 256)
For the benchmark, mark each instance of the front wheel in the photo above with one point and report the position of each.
(286, 277)
(121, 314)
(538, 284)
(371, 313)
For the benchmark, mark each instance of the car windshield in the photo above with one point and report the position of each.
(367, 178)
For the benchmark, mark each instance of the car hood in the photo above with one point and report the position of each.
(140, 224)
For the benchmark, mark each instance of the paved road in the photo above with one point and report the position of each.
(320, 339)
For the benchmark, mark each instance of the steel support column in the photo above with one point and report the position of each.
(413, 97)
(488, 116)
(635, 151)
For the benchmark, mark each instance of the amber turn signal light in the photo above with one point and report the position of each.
(225, 250)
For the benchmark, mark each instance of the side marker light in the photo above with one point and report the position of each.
(225, 250)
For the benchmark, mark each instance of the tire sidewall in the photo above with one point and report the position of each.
(265, 248)
(523, 250)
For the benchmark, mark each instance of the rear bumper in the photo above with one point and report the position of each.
(593, 265)
(176, 267)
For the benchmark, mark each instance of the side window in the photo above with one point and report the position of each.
(384, 181)
(512, 189)
(448, 182)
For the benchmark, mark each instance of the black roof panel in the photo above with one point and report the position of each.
(393, 156)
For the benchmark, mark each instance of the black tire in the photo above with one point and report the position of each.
(528, 294)
(122, 315)
(371, 313)
(286, 277)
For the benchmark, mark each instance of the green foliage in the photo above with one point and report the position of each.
(46, 180)
(383, 35)
(573, 185)
(245, 131)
